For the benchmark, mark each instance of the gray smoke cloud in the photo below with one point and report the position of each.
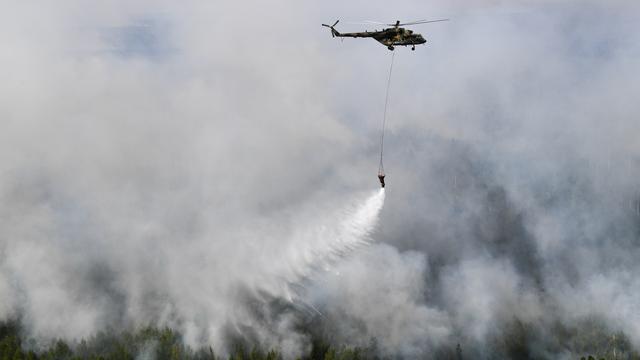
(164, 164)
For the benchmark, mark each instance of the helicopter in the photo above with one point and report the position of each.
(390, 37)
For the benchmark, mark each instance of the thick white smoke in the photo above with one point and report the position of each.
(191, 285)
(168, 164)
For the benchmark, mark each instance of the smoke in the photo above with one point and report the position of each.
(379, 296)
(178, 284)
(192, 167)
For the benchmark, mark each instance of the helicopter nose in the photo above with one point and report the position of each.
(421, 40)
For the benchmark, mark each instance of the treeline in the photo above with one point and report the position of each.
(150, 343)
(592, 343)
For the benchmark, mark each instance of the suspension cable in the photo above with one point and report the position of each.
(384, 118)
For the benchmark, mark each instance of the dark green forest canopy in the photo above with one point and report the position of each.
(590, 340)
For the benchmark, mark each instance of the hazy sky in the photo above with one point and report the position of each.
(158, 159)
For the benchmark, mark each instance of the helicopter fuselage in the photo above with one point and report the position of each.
(390, 37)
(394, 36)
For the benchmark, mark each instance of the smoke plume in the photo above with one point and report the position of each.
(206, 166)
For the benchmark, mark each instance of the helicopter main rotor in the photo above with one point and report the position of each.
(398, 23)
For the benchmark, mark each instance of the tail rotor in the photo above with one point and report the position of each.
(334, 32)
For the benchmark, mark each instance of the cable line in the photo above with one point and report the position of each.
(384, 121)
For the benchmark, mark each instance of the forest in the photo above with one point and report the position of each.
(165, 343)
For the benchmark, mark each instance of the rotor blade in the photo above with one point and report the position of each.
(369, 22)
(411, 22)
(422, 22)
(366, 22)
(331, 26)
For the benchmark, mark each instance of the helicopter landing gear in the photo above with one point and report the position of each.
(413, 48)
(390, 47)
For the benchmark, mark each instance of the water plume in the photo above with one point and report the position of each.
(332, 237)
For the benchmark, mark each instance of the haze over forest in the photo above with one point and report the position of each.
(208, 168)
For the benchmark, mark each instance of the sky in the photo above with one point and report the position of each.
(166, 163)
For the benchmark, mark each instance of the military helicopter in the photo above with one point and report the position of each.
(393, 36)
